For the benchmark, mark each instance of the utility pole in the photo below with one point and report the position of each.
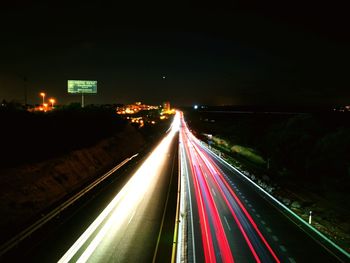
(82, 100)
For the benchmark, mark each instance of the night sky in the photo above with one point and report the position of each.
(243, 53)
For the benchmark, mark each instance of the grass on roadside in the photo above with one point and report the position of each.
(248, 153)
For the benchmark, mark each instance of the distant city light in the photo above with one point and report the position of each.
(135, 108)
(42, 94)
(52, 101)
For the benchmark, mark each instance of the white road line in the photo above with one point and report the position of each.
(275, 238)
(268, 229)
(250, 205)
(263, 222)
(283, 248)
(212, 189)
(228, 226)
(292, 260)
(257, 215)
(253, 209)
(133, 213)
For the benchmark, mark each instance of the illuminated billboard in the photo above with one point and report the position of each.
(82, 86)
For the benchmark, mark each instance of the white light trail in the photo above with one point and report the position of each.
(122, 207)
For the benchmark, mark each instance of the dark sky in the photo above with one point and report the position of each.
(244, 52)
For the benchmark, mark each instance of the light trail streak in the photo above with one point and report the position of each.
(209, 253)
(219, 230)
(197, 155)
(218, 177)
(122, 207)
(202, 191)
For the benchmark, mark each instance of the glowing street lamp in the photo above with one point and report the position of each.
(42, 94)
(52, 101)
(45, 105)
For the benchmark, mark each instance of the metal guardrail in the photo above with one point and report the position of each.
(32, 228)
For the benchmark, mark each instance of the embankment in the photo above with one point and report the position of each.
(29, 189)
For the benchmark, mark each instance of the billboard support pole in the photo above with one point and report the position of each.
(82, 100)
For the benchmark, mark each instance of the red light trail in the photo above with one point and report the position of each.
(206, 176)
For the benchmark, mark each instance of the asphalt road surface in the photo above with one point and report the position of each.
(129, 228)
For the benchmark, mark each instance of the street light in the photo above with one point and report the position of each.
(52, 101)
(45, 106)
(42, 94)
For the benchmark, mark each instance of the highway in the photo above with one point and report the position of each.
(228, 218)
(128, 229)
(231, 220)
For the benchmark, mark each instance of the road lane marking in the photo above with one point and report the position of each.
(228, 226)
(292, 260)
(253, 209)
(268, 229)
(131, 217)
(249, 205)
(263, 222)
(283, 248)
(275, 238)
(257, 215)
(212, 189)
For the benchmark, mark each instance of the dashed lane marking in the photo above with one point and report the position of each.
(228, 226)
(283, 248)
(131, 217)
